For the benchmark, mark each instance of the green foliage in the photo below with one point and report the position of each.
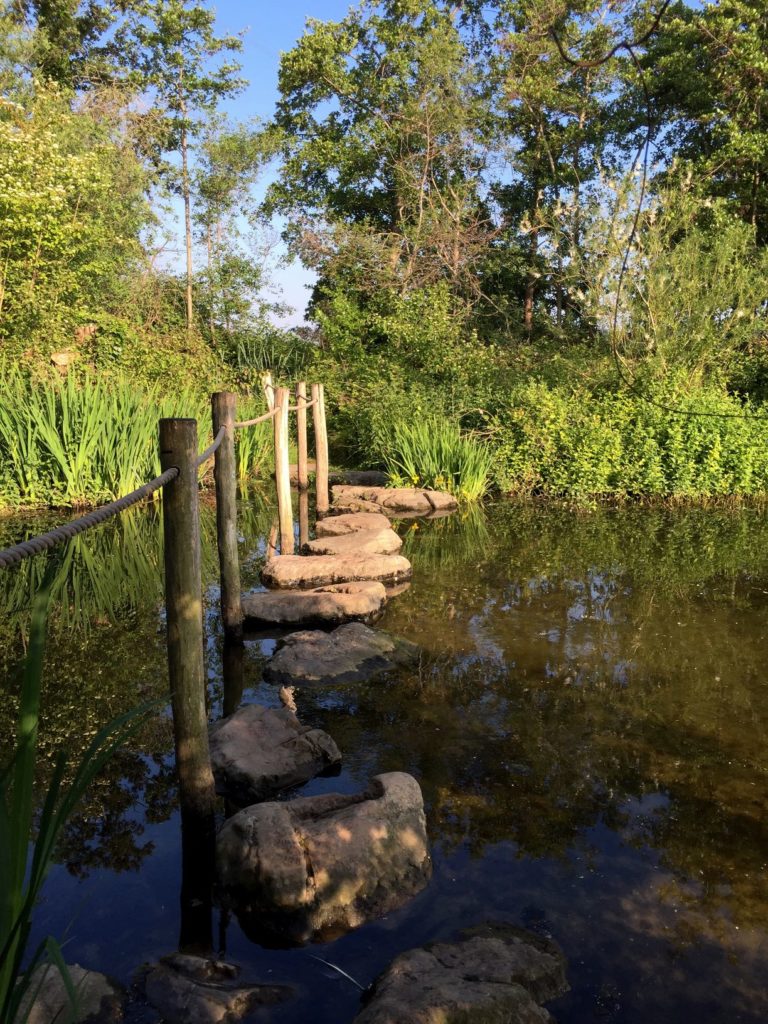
(74, 443)
(432, 452)
(22, 872)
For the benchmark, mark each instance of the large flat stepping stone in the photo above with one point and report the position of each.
(99, 1000)
(289, 572)
(352, 522)
(349, 654)
(365, 542)
(193, 990)
(331, 605)
(393, 501)
(495, 973)
(258, 752)
(314, 867)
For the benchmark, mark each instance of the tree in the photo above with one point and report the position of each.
(174, 54)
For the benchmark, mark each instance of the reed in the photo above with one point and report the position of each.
(432, 451)
(27, 842)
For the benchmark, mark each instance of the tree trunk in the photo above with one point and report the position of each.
(185, 189)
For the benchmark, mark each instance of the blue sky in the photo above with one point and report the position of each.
(273, 27)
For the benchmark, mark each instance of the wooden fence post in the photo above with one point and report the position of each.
(283, 471)
(302, 471)
(268, 389)
(184, 618)
(321, 449)
(224, 410)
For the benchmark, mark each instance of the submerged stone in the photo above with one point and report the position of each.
(494, 974)
(360, 477)
(318, 866)
(363, 542)
(391, 500)
(332, 605)
(258, 752)
(99, 1000)
(352, 522)
(194, 990)
(349, 654)
(293, 572)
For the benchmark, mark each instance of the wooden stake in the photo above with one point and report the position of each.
(268, 389)
(303, 518)
(301, 431)
(224, 409)
(283, 472)
(184, 615)
(321, 449)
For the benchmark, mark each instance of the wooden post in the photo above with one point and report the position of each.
(283, 472)
(224, 409)
(321, 449)
(303, 518)
(272, 539)
(184, 617)
(268, 389)
(301, 431)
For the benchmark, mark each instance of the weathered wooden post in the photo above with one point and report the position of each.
(301, 433)
(268, 389)
(321, 449)
(224, 410)
(184, 618)
(303, 518)
(283, 471)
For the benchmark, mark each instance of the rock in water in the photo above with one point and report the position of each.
(393, 501)
(349, 654)
(100, 1001)
(495, 974)
(337, 526)
(192, 990)
(294, 572)
(318, 866)
(358, 477)
(363, 542)
(258, 752)
(332, 605)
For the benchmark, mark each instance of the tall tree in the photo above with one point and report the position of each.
(175, 55)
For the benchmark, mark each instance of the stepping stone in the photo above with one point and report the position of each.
(391, 500)
(364, 542)
(331, 605)
(314, 867)
(337, 526)
(350, 654)
(99, 1000)
(193, 990)
(493, 973)
(289, 572)
(258, 752)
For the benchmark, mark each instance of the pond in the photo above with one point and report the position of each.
(588, 725)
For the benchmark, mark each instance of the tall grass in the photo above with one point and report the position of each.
(433, 452)
(23, 867)
(254, 446)
(78, 442)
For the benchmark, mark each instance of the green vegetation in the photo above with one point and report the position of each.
(468, 200)
(22, 872)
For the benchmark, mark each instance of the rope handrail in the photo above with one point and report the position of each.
(211, 449)
(259, 419)
(18, 552)
(304, 405)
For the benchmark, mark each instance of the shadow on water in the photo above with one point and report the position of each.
(587, 722)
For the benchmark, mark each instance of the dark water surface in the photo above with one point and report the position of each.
(588, 725)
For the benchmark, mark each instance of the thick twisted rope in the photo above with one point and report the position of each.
(33, 546)
(259, 419)
(209, 451)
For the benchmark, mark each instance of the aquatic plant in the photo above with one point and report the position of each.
(24, 861)
(254, 445)
(82, 441)
(432, 451)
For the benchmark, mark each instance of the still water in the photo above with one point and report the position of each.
(588, 724)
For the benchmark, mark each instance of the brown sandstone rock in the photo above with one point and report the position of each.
(495, 974)
(337, 526)
(331, 605)
(292, 572)
(349, 654)
(258, 752)
(364, 542)
(193, 990)
(393, 501)
(100, 1001)
(318, 866)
